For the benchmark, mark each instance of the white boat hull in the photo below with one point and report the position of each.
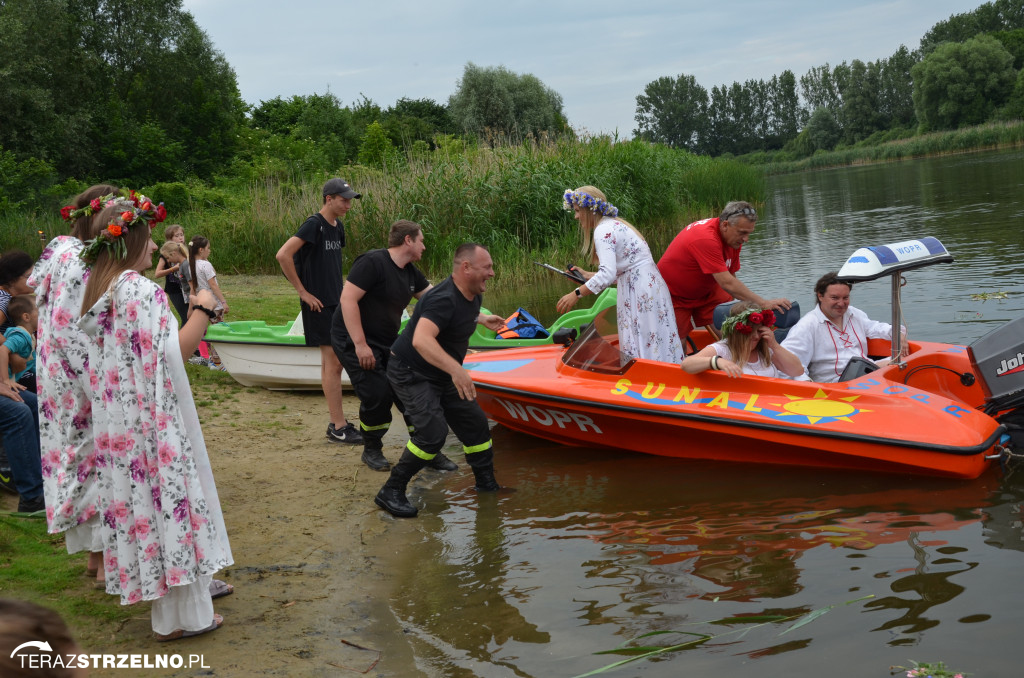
(274, 367)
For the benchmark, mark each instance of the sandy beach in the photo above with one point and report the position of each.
(301, 519)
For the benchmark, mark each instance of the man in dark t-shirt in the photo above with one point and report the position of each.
(380, 285)
(425, 370)
(311, 260)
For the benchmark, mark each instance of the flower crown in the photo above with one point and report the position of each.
(582, 199)
(71, 213)
(137, 209)
(744, 322)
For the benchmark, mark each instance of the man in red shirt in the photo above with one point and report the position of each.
(700, 267)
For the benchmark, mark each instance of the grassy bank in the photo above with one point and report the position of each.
(508, 198)
(986, 137)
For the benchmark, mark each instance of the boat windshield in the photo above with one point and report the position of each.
(597, 348)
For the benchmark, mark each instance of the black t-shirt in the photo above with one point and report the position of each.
(388, 291)
(173, 282)
(455, 317)
(319, 261)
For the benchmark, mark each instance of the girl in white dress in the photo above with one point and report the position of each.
(646, 321)
(162, 526)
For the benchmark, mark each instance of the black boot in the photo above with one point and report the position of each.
(392, 497)
(442, 463)
(482, 464)
(373, 445)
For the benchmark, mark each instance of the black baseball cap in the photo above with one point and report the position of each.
(340, 187)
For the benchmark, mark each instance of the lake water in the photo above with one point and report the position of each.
(597, 548)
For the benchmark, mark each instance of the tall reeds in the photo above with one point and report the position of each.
(508, 198)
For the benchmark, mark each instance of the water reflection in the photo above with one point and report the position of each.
(599, 547)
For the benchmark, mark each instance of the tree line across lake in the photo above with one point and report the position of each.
(968, 70)
(177, 120)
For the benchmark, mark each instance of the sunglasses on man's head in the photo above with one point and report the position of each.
(748, 212)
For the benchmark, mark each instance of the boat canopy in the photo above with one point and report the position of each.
(869, 263)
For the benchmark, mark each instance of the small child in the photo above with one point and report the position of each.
(171, 271)
(21, 340)
(176, 255)
(204, 277)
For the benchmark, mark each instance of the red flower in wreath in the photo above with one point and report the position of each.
(756, 318)
(768, 317)
(127, 216)
(95, 205)
(115, 230)
(744, 328)
(65, 212)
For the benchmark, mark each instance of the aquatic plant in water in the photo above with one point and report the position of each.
(927, 670)
(752, 622)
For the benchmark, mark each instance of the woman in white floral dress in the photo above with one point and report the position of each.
(162, 526)
(647, 326)
(65, 413)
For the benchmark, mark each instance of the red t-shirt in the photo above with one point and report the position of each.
(692, 258)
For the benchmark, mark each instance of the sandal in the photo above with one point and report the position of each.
(181, 633)
(219, 589)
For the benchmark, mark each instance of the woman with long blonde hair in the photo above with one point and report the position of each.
(163, 530)
(646, 321)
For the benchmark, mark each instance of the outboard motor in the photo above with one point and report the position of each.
(998, 360)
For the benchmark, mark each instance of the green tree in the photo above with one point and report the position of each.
(859, 114)
(819, 89)
(896, 89)
(1014, 109)
(376, 149)
(1000, 15)
(673, 112)
(823, 132)
(785, 109)
(503, 103)
(962, 84)
(1013, 41)
(412, 120)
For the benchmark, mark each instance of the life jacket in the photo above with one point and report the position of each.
(522, 325)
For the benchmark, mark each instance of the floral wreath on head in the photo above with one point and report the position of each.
(72, 213)
(138, 209)
(745, 322)
(572, 199)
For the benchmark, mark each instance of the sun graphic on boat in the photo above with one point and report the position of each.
(820, 408)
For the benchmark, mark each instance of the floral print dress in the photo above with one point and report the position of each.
(647, 323)
(65, 410)
(161, 518)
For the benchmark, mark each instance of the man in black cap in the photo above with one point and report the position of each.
(311, 260)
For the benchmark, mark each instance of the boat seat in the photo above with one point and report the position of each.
(784, 320)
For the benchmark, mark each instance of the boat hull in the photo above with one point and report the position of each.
(278, 367)
(874, 423)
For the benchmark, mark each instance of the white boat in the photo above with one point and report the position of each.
(272, 356)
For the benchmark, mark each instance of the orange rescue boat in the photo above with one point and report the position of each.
(939, 411)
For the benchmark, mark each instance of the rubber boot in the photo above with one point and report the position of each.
(373, 454)
(482, 464)
(442, 463)
(392, 497)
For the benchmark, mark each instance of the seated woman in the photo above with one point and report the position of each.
(748, 346)
(833, 332)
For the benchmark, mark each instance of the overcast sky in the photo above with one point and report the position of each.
(597, 55)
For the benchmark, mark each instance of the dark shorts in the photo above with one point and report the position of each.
(317, 325)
